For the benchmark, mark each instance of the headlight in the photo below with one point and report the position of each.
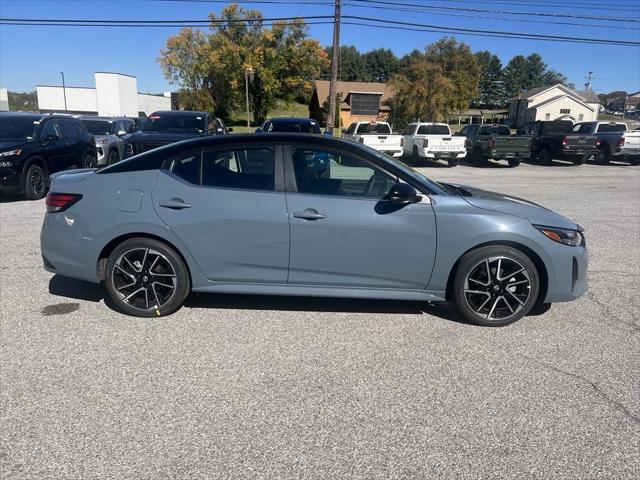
(573, 238)
(10, 153)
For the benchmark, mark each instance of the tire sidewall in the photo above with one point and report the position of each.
(182, 290)
(29, 193)
(115, 159)
(93, 156)
(470, 260)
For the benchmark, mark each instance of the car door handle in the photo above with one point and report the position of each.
(175, 204)
(309, 214)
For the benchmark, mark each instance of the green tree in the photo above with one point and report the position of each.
(351, 67)
(551, 77)
(380, 64)
(23, 102)
(536, 69)
(516, 75)
(213, 67)
(491, 88)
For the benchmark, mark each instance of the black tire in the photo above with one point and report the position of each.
(162, 280)
(513, 162)
(89, 160)
(634, 160)
(581, 160)
(35, 182)
(415, 156)
(603, 156)
(453, 162)
(477, 158)
(114, 157)
(544, 157)
(505, 302)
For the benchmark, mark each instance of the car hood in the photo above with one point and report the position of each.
(10, 145)
(168, 137)
(498, 202)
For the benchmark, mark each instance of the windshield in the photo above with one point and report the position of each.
(98, 127)
(189, 123)
(17, 128)
(295, 127)
(381, 128)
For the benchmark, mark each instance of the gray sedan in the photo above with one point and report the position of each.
(304, 215)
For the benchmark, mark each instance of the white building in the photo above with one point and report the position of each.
(115, 94)
(555, 102)
(4, 100)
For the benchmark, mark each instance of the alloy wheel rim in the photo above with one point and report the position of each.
(37, 181)
(144, 278)
(89, 161)
(497, 288)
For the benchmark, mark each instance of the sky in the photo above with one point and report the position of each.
(35, 55)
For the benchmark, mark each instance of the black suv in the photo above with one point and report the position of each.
(163, 128)
(290, 125)
(33, 146)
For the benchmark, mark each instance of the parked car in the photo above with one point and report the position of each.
(290, 125)
(617, 142)
(108, 134)
(494, 141)
(33, 146)
(432, 141)
(555, 140)
(165, 127)
(248, 214)
(376, 135)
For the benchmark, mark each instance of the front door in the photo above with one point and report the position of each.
(225, 208)
(344, 233)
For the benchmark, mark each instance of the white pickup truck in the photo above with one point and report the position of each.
(376, 135)
(433, 141)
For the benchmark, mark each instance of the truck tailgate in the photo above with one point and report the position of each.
(507, 145)
(444, 144)
(383, 142)
(631, 143)
(580, 142)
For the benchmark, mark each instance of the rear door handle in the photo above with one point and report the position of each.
(309, 214)
(175, 204)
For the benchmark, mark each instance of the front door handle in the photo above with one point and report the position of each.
(175, 204)
(309, 214)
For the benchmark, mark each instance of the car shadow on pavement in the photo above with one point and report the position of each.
(78, 289)
(554, 163)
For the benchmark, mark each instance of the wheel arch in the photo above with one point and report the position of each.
(35, 159)
(101, 264)
(535, 258)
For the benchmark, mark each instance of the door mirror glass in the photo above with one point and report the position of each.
(403, 193)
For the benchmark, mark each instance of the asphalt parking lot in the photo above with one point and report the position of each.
(247, 386)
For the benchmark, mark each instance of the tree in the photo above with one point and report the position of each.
(536, 69)
(23, 102)
(437, 83)
(491, 88)
(380, 64)
(516, 75)
(352, 66)
(213, 67)
(551, 77)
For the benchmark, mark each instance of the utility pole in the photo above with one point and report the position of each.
(64, 92)
(248, 74)
(334, 70)
(587, 84)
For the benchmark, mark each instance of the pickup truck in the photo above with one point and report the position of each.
(486, 141)
(617, 142)
(433, 141)
(555, 139)
(376, 135)
(163, 128)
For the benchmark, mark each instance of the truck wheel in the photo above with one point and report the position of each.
(603, 156)
(453, 162)
(544, 157)
(581, 160)
(477, 158)
(514, 162)
(415, 157)
(114, 157)
(634, 160)
(35, 182)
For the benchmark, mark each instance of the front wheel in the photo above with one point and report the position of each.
(146, 278)
(35, 182)
(114, 157)
(495, 286)
(514, 162)
(89, 160)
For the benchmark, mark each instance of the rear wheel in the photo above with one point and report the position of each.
(514, 162)
(146, 278)
(495, 286)
(114, 157)
(544, 157)
(603, 155)
(477, 158)
(35, 182)
(415, 156)
(453, 162)
(581, 160)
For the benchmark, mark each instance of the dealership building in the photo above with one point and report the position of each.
(115, 94)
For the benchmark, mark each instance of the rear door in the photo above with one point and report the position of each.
(343, 233)
(54, 148)
(74, 144)
(228, 208)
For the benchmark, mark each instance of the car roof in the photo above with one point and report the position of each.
(96, 117)
(169, 113)
(36, 116)
(292, 119)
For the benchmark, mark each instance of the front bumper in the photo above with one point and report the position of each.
(568, 279)
(101, 155)
(10, 180)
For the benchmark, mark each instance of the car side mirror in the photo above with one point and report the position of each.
(403, 193)
(219, 131)
(121, 133)
(258, 130)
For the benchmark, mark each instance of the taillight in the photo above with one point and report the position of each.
(492, 143)
(402, 142)
(530, 143)
(59, 202)
(425, 142)
(565, 142)
(621, 142)
(467, 144)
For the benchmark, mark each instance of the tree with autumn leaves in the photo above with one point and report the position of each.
(210, 68)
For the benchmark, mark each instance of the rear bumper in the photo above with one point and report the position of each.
(571, 153)
(444, 155)
(509, 155)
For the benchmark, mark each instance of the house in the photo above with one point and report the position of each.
(555, 102)
(359, 101)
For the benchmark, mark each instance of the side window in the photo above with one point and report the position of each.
(464, 131)
(351, 129)
(185, 167)
(321, 172)
(69, 129)
(49, 128)
(504, 131)
(584, 128)
(245, 169)
(484, 131)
